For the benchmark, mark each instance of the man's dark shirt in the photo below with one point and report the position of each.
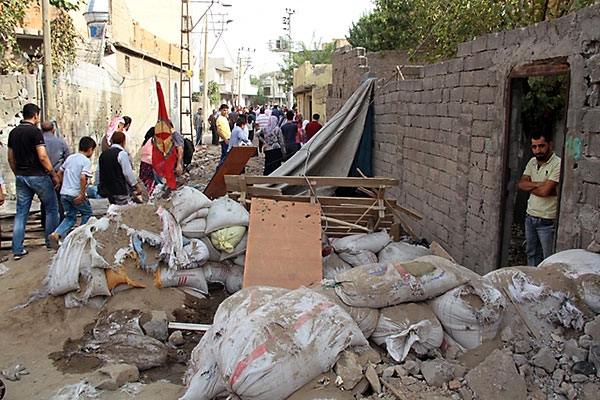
(24, 141)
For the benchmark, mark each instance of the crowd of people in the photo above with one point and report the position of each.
(44, 166)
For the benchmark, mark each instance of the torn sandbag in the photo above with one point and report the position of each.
(184, 201)
(172, 242)
(146, 263)
(197, 253)
(471, 313)
(114, 278)
(578, 261)
(402, 251)
(333, 265)
(193, 278)
(277, 343)
(215, 272)
(408, 326)
(358, 258)
(353, 244)
(384, 284)
(225, 212)
(195, 228)
(226, 239)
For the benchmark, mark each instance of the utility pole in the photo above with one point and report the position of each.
(50, 104)
(205, 112)
(288, 22)
(239, 83)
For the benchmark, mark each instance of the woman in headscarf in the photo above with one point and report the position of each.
(116, 125)
(146, 170)
(274, 146)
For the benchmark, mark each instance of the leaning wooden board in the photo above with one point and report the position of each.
(284, 244)
(233, 164)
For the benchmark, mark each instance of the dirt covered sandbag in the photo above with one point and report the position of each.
(193, 278)
(225, 212)
(402, 251)
(408, 326)
(333, 265)
(385, 284)
(235, 279)
(184, 201)
(239, 250)
(358, 258)
(292, 338)
(172, 241)
(195, 228)
(578, 262)
(197, 253)
(216, 272)
(353, 244)
(471, 313)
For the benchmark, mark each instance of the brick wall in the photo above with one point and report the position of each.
(443, 136)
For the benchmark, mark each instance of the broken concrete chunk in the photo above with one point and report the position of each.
(118, 375)
(592, 328)
(157, 327)
(373, 378)
(437, 372)
(594, 357)
(545, 359)
(349, 370)
(176, 338)
(573, 352)
(496, 378)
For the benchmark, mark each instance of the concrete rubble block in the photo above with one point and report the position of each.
(361, 388)
(348, 369)
(592, 328)
(157, 327)
(373, 378)
(573, 352)
(594, 357)
(117, 375)
(176, 338)
(439, 371)
(545, 359)
(522, 347)
(584, 368)
(400, 371)
(496, 378)
(366, 355)
(412, 366)
(388, 372)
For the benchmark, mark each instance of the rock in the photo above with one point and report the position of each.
(496, 378)
(453, 384)
(157, 327)
(522, 347)
(412, 366)
(465, 393)
(408, 380)
(388, 372)
(437, 372)
(585, 341)
(400, 371)
(349, 370)
(558, 376)
(594, 357)
(584, 367)
(573, 351)
(361, 388)
(575, 378)
(520, 359)
(544, 359)
(373, 378)
(176, 338)
(506, 335)
(366, 355)
(592, 328)
(118, 375)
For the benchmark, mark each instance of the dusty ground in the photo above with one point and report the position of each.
(43, 336)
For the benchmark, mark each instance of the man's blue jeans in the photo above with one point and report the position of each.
(27, 186)
(539, 235)
(224, 147)
(199, 136)
(71, 213)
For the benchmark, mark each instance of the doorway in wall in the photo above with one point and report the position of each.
(537, 101)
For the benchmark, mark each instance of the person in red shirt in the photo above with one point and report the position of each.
(312, 127)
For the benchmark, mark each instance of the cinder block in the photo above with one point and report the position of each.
(479, 44)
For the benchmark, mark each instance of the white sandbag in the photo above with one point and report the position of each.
(205, 381)
(239, 249)
(408, 326)
(333, 265)
(366, 318)
(215, 272)
(172, 241)
(402, 251)
(373, 242)
(186, 200)
(76, 255)
(471, 313)
(578, 261)
(278, 342)
(193, 278)
(201, 213)
(240, 260)
(235, 279)
(195, 228)
(226, 239)
(197, 253)
(225, 212)
(358, 258)
(590, 289)
(385, 284)
(213, 254)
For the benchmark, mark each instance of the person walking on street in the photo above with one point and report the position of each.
(75, 172)
(312, 127)
(198, 121)
(58, 151)
(212, 121)
(540, 179)
(289, 131)
(34, 174)
(274, 146)
(223, 131)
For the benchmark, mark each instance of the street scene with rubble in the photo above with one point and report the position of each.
(379, 223)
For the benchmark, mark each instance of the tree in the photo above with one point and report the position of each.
(436, 27)
(213, 92)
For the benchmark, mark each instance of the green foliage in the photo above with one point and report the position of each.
(196, 97)
(67, 5)
(436, 27)
(543, 103)
(214, 92)
(64, 40)
(11, 18)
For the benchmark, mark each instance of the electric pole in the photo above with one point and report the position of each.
(49, 103)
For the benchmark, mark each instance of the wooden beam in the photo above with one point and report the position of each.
(321, 181)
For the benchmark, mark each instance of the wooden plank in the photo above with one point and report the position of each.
(284, 244)
(321, 181)
(438, 250)
(233, 165)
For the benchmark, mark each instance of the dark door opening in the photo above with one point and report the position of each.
(537, 100)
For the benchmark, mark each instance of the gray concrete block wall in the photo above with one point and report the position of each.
(443, 136)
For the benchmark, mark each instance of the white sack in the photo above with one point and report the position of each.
(213, 254)
(278, 342)
(172, 242)
(402, 251)
(225, 212)
(186, 200)
(577, 261)
(240, 249)
(333, 265)
(235, 279)
(471, 313)
(193, 278)
(197, 253)
(201, 213)
(215, 272)
(360, 257)
(384, 284)
(195, 228)
(373, 242)
(406, 326)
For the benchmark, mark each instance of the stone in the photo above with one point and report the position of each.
(496, 378)
(408, 380)
(176, 338)
(361, 388)
(573, 351)
(520, 359)
(388, 372)
(585, 341)
(373, 378)
(118, 375)
(453, 384)
(592, 328)
(400, 371)
(522, 347)
(578, 378)
(366, 355)
(349, 370)
(558, 376)
(412, 366)
(465, 393)
(544, 359)
(584, 367)
(437, 372)
(157, 327)
(506, 334)
(594, 357)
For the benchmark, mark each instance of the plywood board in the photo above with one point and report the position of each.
(233, 165)
(284, 244)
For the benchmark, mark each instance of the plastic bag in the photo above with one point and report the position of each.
(227, 238)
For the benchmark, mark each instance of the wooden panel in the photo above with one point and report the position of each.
(233, 165)
(284, 244)
(322, 181)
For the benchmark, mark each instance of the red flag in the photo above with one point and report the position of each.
(164, 154)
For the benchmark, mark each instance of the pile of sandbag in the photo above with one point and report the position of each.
(183, 238)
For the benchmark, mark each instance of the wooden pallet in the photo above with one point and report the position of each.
(340, 216)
